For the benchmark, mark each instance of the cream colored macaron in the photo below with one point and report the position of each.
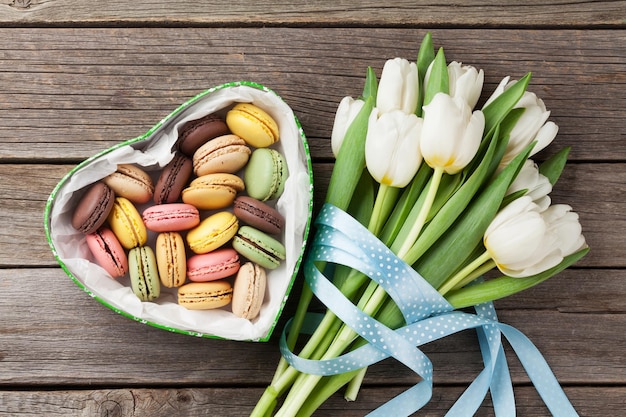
(249, 291)
(131, 182)
(228, 153)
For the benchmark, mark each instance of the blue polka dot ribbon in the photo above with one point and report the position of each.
(342, 240)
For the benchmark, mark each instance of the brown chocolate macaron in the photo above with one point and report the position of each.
(93, 208)
(196, 133)
(258, 214)
(173, 179)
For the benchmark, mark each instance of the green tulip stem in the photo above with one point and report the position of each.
(376, 220)
(423, 214)
(478, 272)
(467, 271)
(301, 310)
(354, 386)
(305, 384)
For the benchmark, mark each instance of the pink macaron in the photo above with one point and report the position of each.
(173, 217)
(108, 252)
(214, 265)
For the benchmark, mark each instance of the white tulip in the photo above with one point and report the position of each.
(464, 81)
(398, 87)
(537, 185)
(523, 241)
(346, 112)
(392, 151)
(451, 134)
(531, 126)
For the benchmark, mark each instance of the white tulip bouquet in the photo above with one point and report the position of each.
(427, 195)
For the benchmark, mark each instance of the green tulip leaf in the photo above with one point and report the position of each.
(350, 160)
(438, 81)
(370, 88)
(553, 166)
(362, 203)
(425, 57)
(497, 110)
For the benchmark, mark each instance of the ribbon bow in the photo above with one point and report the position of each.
(340, 239)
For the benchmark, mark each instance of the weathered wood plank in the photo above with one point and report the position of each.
(68, 93)
(397, 13)
(596, 191)
(34, 349)
(196, 402)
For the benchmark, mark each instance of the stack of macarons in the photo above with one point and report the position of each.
(208, 227)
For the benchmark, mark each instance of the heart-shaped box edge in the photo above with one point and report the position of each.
(147, 138)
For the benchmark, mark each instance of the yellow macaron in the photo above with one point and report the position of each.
(213, 191)
(213, 232)
(252, 124)
(127, 224)
(205, 295)
(171, 259)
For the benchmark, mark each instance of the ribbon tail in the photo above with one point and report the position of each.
(539, 372)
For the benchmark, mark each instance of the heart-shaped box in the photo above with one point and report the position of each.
(154, 150)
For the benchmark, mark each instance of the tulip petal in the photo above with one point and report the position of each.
(398, 87)
(392, 152)
(545, 136)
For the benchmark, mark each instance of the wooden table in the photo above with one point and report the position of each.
(79, 77)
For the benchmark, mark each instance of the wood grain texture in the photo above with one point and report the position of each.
(196, 402)
(88, 344)
(69, 93)
(342, 12)
(79, 77)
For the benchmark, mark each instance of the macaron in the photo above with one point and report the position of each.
(220, 263)
(265, 174)
(131, 182)
(127, 224)
(258, 214)
(108, 252)
(196, 133)
(249, 291)
(171, 259)
(259, 247)
(173, 178)
(172, 217)
(213, 191)
(144, 274)
(205, 295)
(212, 232)
(93, 208)
(228, 153)
(252, 124)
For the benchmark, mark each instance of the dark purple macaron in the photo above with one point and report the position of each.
(93, 208)
(196, 133)
(173, 179)
(258, 214)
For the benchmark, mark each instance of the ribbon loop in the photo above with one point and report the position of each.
(342, 240)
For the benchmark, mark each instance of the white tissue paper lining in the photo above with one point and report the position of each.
(153, 153)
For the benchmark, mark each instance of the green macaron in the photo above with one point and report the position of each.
(265, 174)
(144, 273)
(259, 247)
